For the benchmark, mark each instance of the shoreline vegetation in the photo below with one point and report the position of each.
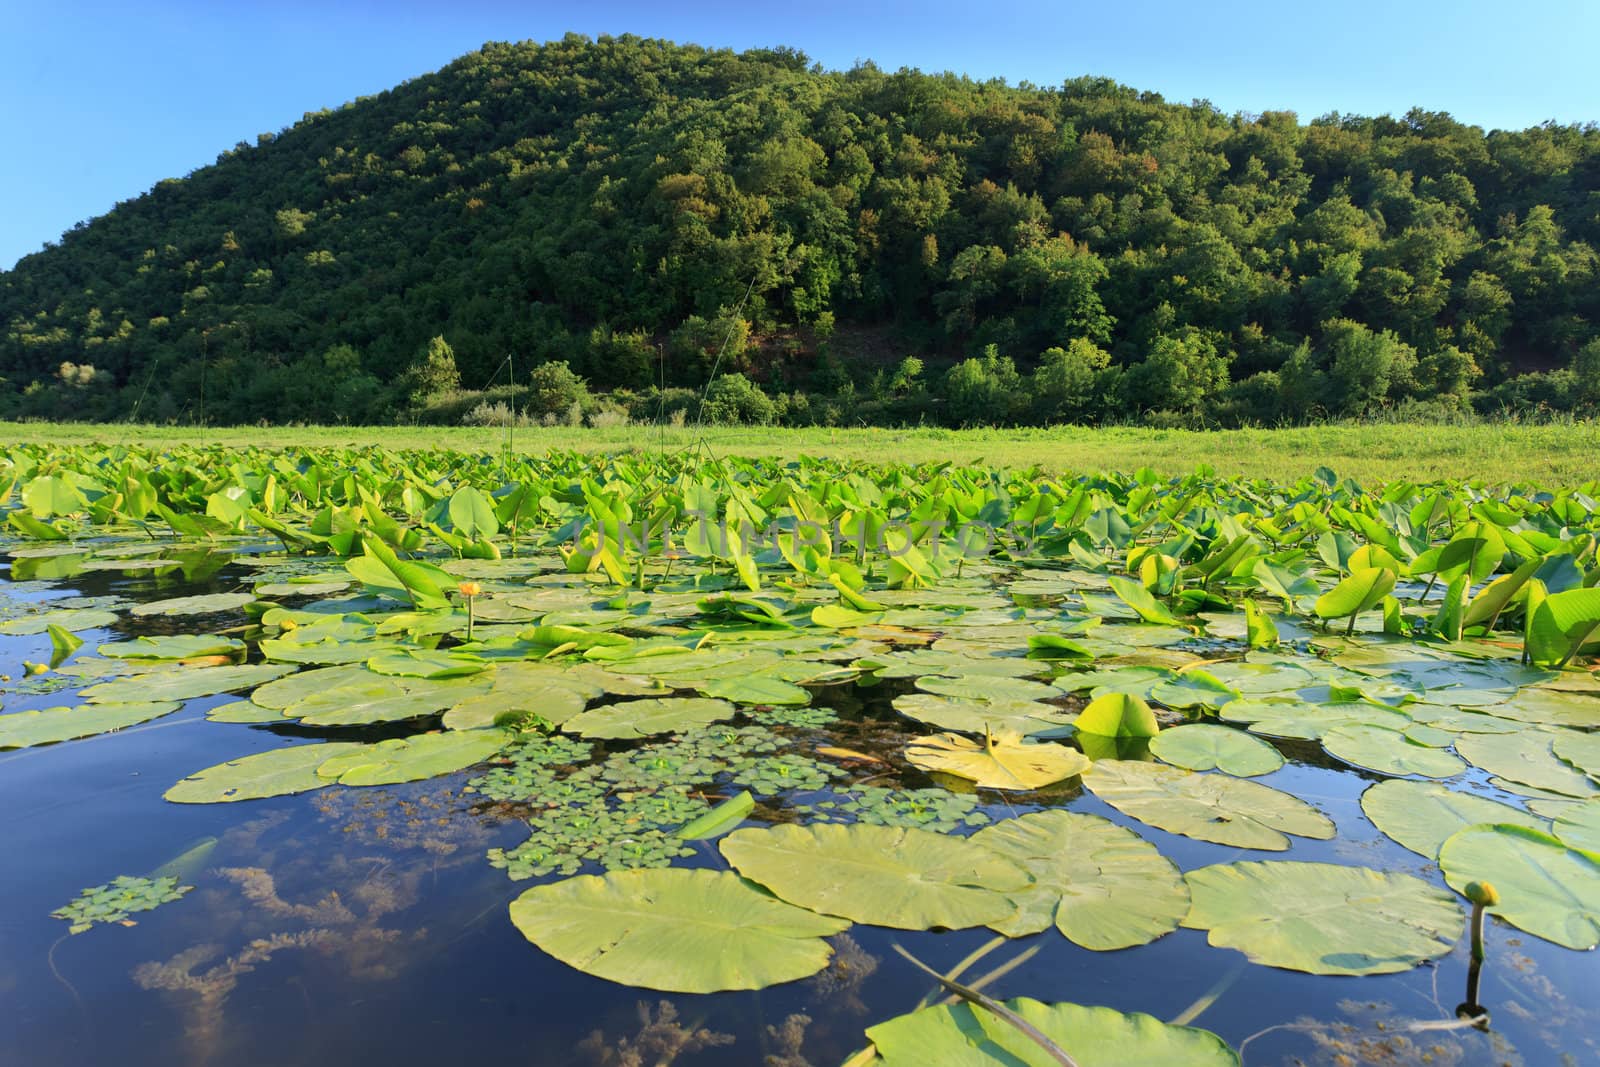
(1560, 453)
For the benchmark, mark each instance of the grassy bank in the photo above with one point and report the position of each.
(1562, 454)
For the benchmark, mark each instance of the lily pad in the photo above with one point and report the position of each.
(1026, 717)
(1389, 752)
(274, 773)
(1545, 888)
(999, 761)
(1527, 758)
(73, 620)
(1580, 750)
(1117, 715)
(24, 729)
(1323, 918)
(183, 684)
(644, 718)
(1579, 826)
(1100, 884)
(756, 689)
(1208, 807)
(194, 605)
(1203, 747)
(961, 1035)
(1420, 816)
(173, 646)
(675, 930)
(381, 700)
(411, 759)
(883, 875)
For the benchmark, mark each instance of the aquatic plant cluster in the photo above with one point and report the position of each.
(1141, 658)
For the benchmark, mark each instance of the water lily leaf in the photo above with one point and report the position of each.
(1194, 688)
(426, 663)
(1026, 717)
(274, 773)
(24, 729)
(1545, 888)
(643, 718)
(990, 688)
(381, 699)
(883, 875)
(1144, 605)
(1527, 758)
(282, 692)
(1359, 592)
(195, 605)
(1310, 721)
(756, 689)
(999, 761)
(1548, 707)
(1117, 715)
(674, 930)
(1420, 816)
(183, 684)
(1389, 752)
(412, 759)
(1580, 750)
(1100, 884)
(1209, 807)
(244, 711)
(73, 620)
(172, 647)
(1203, 747)
(963, 1035)
(1579, 826)
(1322, 918)
(553, 703)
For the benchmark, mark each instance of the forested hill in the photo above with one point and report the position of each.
(1089, 251)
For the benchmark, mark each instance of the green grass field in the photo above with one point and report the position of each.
(1558, 454)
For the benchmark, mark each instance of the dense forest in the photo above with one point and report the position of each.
(597, 228)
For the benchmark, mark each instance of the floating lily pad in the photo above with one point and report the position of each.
(1100, 884)
(24, 729)
(183, 684)
(1203, 747)
(1580, 750)
(1389, 752)
(74, 620)
(1527, 758)
(1579, 826)
(1026, 717)
(1117, 715)
(194, 605)
(1546, 888)
(426, 664)
(962, 1035)
(883, 875)
(645, 718)
(1420, 816)
(756, 689)
(412, 759)
(381, 700)
(1209, 807)
(172, 647)
(244, 711)
(1323, 918)
(999, 761)
(274, 773)
(990, 688)
(675, 930)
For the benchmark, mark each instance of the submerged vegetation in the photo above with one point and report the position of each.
(734, 708)
(589, 229)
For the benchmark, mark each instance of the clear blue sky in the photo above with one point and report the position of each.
(100, 100)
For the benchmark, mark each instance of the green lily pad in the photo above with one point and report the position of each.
(962, 1035)
(426, 664)
(381, 700)
(1203, 747)
(883, 875)
(1100, 884)
(644, 718)
(183, 684)
(1389, 752)
(412, 759)
(172, 647)
(1549, 707)
(244, 711)
(1527, 758)
(1579, 826)
(292, 688)
(1026, 717)
(194, 605)
(990, 688)
(1420, 816)
(1208, 807)
(1117, 715)
(73, 620)
(675, 930)
(1000, 761)
(756, 689)
(1580, 750)
(1323, 918)
(1545, 888)
(277, 772)
(24, 729)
